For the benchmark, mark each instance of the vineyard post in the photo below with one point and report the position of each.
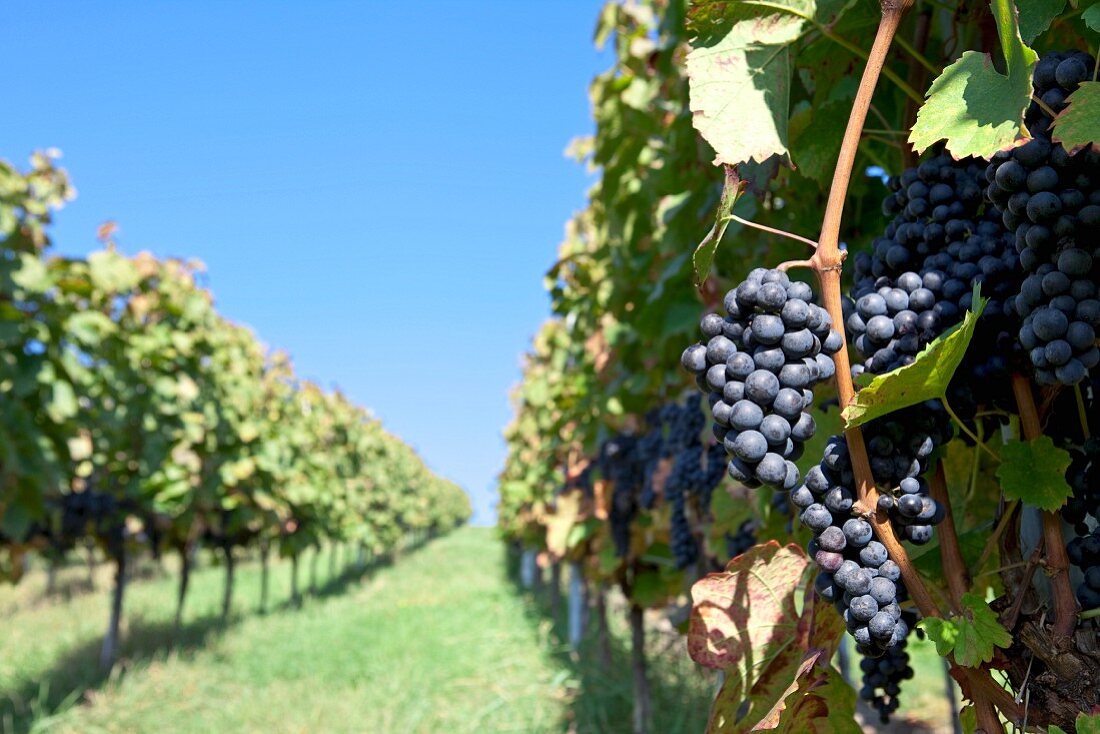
(295, 596)
(185, 578)
(527, 569)
(227, 599)
(91, 559)
(555, 592)
(52, 564)
(110, 641)
(638, 669)
(265, 568)
(576, 605)
(603, 635)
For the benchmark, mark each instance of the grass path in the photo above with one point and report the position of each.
(439, 642)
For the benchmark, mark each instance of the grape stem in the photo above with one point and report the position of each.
(785, 266)
(1057, 562)
(966, 429)
(954, 568)
(1082, 412)
(828, 262)
(773, 230)
(1044, 106)
(991, 543)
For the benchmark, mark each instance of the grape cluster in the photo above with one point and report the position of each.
(745, 538)
(931, 205)
(697, 471)
(1056, 76)
(893, 323)
(757, 367)
(1050, 201)
(919, 278)
(618, 461)
(882, 676)
(650, 451)
(1084, 552)
(857, 574)
(1083, 477)
(900, 444)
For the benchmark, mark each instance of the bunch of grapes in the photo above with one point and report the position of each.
(931, 205)
(745, 538)
(758, 367)
(686, 472)
(1050, 200)
(1056, 76)
(650, 451)
(697, 470)
(882, 676)
(1083, 477)
(857, 574)
(88, 513)
(919, 279)
(618, 460)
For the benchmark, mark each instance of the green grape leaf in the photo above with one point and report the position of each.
(1092, 18)
(927, 377)
(1034, 472)
(1078, 125)
(89, 327)
(968, 719)
(1035, 16)
(1087, 723)
(816, 134)
(971, 636)
(62, 403)
(32, 275)
(703, 257)
(971, 105)
(739, 71)
(111, 272)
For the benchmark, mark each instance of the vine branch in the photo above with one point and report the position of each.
(1065, 603)
(954, 567)
(827, 262)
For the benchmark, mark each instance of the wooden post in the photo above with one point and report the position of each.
(576, 605)
(185, 580)
(638, 668)
(109, 651)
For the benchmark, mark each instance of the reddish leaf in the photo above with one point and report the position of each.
(744, 617)
(734, 710)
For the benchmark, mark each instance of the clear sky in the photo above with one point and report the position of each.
(376, 187)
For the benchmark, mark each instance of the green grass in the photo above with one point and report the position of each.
(440, 642)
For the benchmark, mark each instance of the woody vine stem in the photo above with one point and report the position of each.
(827, 262)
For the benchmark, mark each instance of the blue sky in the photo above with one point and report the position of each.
(376, 187)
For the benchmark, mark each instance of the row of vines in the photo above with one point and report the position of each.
(823, 354)
(136, 419)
